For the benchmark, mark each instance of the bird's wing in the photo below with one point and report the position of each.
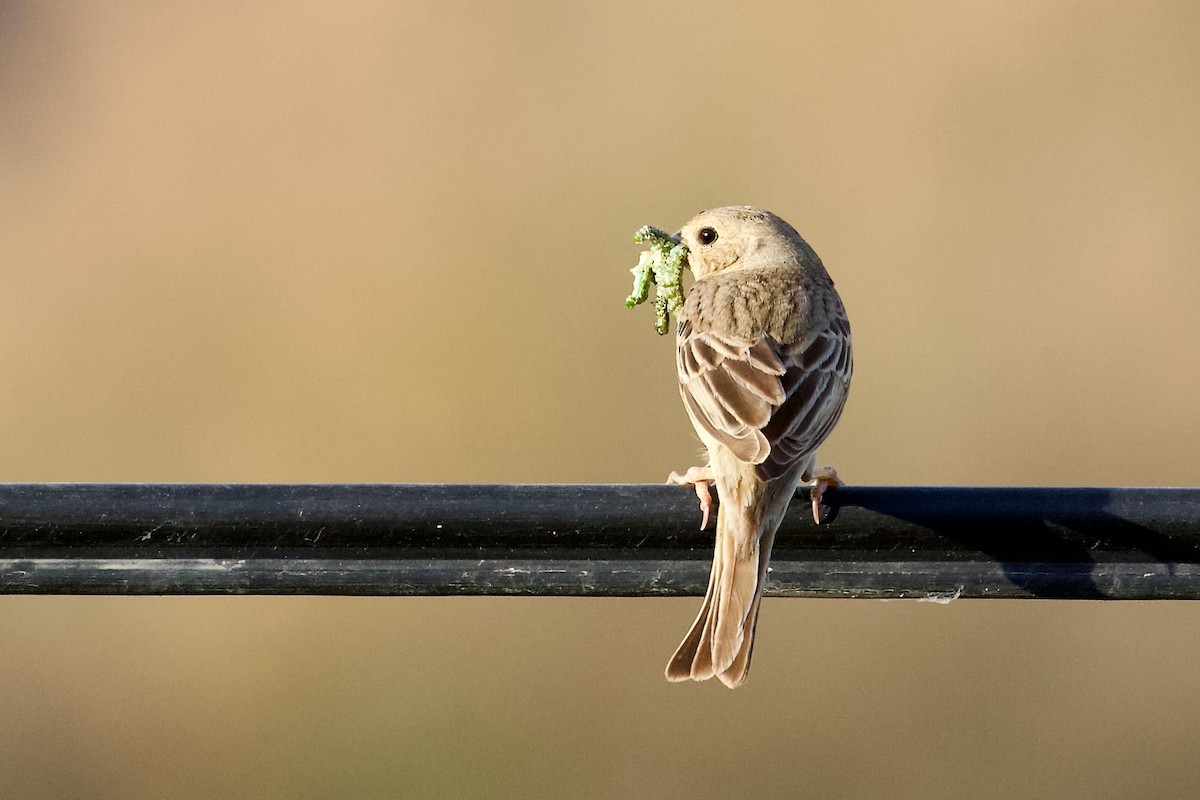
(769, 403)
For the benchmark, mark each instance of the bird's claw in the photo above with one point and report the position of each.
(699, 478)
(822, 478)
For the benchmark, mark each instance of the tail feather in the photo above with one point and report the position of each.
(686, 663)
(739, 668)
(704, 652)
(721, 638)
(738, 585)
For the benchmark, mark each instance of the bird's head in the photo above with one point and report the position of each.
(736, 237)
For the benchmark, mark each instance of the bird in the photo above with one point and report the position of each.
(764, 363)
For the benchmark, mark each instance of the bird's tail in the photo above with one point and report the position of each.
(722, 637)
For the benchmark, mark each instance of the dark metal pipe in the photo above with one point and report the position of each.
(588, 540)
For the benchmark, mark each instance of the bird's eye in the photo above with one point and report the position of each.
(706, 235)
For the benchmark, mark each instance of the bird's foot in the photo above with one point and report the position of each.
(822, 478)
(699, 478)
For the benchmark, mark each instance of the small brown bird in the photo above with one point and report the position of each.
(764, 366)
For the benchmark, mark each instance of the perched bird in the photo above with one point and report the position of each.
(764, 366)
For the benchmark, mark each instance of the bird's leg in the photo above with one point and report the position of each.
(822, 478)
(699, 478)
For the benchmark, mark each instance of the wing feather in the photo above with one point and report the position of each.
(770, 403)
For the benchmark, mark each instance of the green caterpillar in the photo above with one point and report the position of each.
(661, 265)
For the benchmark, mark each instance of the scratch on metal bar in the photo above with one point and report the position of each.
(145, 537)
(942, 598)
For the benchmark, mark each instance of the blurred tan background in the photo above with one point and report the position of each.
(390, 242)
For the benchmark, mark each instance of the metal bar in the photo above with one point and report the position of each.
(588, 540)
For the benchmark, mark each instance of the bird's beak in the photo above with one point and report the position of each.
(678, 237)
